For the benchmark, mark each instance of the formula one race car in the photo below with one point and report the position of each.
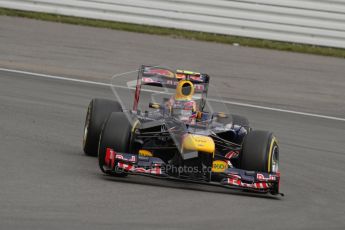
(173, 131)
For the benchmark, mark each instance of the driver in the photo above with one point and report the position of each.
(182, 105)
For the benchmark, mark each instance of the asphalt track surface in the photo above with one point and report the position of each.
(47, 182)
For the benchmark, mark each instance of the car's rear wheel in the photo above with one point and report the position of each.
(97, 112)
(240, 121)
(116, 134)
(235, 120)
(239, 127)
(260, 152)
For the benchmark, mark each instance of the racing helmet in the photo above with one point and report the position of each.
(184, 90)
(183, 106)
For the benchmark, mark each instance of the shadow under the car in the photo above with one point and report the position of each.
(176, 184)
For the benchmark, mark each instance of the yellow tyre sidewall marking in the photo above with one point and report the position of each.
(135, 125)
(273, 141)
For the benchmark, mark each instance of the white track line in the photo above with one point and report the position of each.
(214, 100)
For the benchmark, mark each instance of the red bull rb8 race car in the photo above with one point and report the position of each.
(171, 130)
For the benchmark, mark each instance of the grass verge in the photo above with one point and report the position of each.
(177, 33)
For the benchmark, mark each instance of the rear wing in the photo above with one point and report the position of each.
(165, 77)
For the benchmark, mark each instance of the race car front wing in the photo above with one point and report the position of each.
(234, 178)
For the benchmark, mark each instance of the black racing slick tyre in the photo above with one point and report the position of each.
(239, 124)
(116, 134)
(241, 121)
(97, 112)
(235, 120)
(260, 152)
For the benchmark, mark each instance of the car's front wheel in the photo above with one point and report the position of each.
(116, 135)
(260, 152)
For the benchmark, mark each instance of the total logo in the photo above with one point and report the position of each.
(219, 166)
